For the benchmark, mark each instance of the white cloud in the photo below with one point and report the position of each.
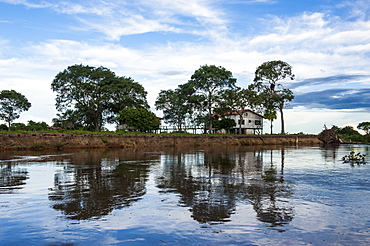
(357, 9)
(312, 121)
(315, 44)
(117, 19)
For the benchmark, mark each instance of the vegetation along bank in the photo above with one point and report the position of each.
(19, 141)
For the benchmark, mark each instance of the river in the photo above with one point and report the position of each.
(204, 196)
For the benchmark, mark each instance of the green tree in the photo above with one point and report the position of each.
(270, 114)
(273, 71)
(36, 126)
(125, 93)
(3, 127)
(266, 80)
(365, 126)
(12, 103)
(139, 118)
(225, 123)
(348, 130)
(208, 83)
(69, 119)
(237, 100)
(177, 105)
(283, 97)
(96, 94)
(18, 127)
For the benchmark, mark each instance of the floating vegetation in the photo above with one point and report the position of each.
(354, 158)
(270, 174)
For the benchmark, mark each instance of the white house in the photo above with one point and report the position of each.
(250, 122)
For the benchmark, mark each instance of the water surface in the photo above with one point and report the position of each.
(229, 196)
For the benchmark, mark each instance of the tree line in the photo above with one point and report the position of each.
(212, 90)
(89, 97)
(349, 134)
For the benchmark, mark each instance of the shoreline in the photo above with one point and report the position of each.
(35, 141)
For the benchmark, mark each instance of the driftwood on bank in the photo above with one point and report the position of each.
(330, 136)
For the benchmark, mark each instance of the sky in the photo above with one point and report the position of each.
(160, 43)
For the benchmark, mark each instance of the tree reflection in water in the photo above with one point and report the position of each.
(96, 186)
(212, 182)
(12, 178)
(269, 198)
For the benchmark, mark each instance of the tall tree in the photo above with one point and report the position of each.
(12, 103)
(96, 94)
(125, 93)
(282, 97)
(266, 80)
(365, 126)
(208, 82)
(177, 105)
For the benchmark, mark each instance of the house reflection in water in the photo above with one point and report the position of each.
(212, 183)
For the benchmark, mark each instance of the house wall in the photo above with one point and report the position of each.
(248, 122)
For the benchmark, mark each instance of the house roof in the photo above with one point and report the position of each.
(238, 112)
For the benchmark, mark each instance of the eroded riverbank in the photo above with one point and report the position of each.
(16, 141)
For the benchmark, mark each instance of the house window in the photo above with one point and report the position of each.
(241, 122)
(250, 121)
(257, 122)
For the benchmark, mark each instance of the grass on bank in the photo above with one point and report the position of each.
(59, 131)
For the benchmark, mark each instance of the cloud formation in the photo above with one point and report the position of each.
(160, 43)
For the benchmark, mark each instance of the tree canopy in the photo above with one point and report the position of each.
(275, 95)
(273, 71)
(96, 94)
(208, 82)
(177, 105)
(12, 103)
(365, 126)
(140, 119)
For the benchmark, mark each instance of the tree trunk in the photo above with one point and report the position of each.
(210, 120)
(271, 126)
(179, 124)
(282, 119)
(240, 124)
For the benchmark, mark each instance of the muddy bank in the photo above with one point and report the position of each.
(14, 141)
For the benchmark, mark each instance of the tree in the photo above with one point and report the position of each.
(225, 123)
(139, 118)
(96, 94)
(208, 82)
(36, 126)
(270, 114)
(365, 126)
(272, 71)
(3, 127)
(69, 119)
(176, 104)
(265, 81)
(125, 93)
(282, 97)
(237, 100)
(348, 130)
(12, 103)
(19, 127)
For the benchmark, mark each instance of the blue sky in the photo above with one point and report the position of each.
(160, 43)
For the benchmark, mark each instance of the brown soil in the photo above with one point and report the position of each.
(15, 141)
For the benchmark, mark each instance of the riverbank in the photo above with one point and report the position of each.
(17, 141)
